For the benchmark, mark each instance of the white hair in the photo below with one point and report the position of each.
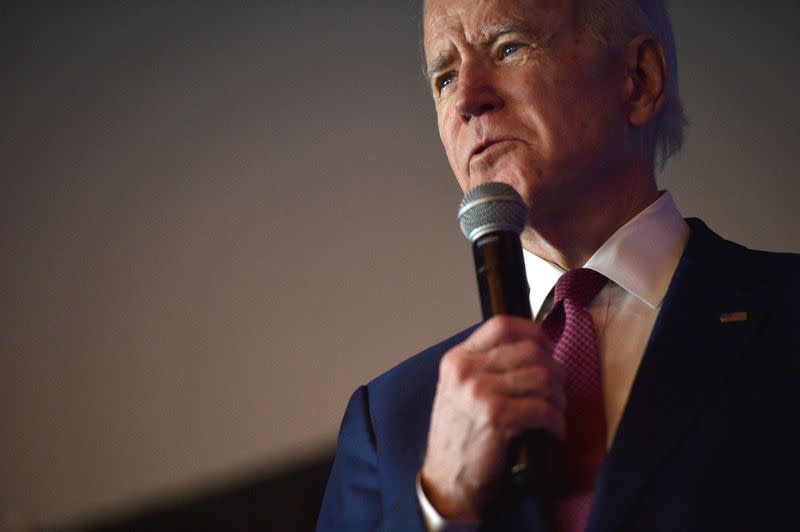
(615, 22)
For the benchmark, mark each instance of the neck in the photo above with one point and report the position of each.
(571, 233)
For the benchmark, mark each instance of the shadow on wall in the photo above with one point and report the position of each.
(286, 500)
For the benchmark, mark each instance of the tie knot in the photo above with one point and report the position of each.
(579, 285)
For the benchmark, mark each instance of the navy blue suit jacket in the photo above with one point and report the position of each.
(708, 440)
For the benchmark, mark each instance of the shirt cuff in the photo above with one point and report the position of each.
(435, 522)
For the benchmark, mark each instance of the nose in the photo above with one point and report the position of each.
(477, 93)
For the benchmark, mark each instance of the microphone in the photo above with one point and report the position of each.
(492, 216)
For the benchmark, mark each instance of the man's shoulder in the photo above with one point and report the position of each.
(420, 368)
(402, 397)
(749, 268)
(399, 404)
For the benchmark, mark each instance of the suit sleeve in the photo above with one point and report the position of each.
(353, 499)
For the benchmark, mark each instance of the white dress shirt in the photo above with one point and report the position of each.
(639, 260)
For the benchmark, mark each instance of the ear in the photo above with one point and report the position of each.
(647, 73)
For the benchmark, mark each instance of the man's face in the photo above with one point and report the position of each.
(523, 97)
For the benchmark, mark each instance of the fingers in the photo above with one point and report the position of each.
(520, 369)
(506, 329)
(511, 416)
(517, 355)
(511, 402)
(460, 366)
(499, 383)
(510, 387)
(529, 382)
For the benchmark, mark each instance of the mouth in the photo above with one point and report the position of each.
(487, 144)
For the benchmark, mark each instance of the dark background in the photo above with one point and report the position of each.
(207, 223)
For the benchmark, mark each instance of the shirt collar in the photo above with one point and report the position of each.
(640, 256)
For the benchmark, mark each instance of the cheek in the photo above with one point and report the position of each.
(602, 121)
(577, 118)
(445, 135)
(448, 133)
(544, 115)
(447, 129)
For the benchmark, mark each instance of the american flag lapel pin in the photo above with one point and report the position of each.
(731, 317)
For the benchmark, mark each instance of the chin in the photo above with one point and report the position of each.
(523, 188)
(513, 173)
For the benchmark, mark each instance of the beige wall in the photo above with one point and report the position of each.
(217, 223)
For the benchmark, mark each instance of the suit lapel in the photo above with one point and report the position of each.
(688, 356)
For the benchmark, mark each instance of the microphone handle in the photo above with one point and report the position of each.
(503, 288)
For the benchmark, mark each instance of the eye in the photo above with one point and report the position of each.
(509, 49)
(444, 80)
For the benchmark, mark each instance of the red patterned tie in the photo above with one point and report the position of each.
(582, 453)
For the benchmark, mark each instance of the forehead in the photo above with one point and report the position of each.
(472, 20)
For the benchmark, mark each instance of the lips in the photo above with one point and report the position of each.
(486, 144)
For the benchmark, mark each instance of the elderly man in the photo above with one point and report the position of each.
(685, 337)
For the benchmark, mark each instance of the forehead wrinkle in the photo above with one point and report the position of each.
(439, 62)
(485, 36)
(440, 26)
(446, 26)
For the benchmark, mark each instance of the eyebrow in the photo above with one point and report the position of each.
(437, 64)
(487, 37)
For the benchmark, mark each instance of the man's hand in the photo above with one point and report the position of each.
(501, 381)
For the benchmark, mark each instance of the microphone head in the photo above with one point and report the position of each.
(491, 207)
